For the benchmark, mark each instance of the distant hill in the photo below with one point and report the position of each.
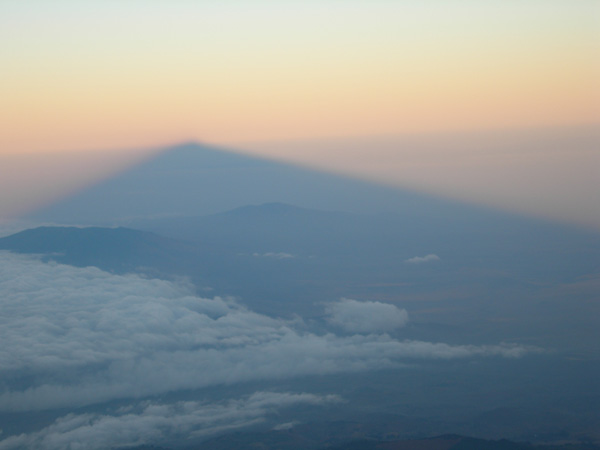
(269, 227)
(485, 240)
(117, 250)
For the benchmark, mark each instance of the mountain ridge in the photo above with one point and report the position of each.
(118, 249)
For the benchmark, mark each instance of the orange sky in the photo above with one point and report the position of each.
(100, 75)
(107, 74)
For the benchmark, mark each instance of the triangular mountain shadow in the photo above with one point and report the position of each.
(193, 180)
(286, 238)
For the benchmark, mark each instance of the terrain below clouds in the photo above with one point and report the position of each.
(79, 337)
(104, 337)
(222, 308)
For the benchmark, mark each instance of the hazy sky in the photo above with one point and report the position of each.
(80, 76)
(100, 74)
(550, 172)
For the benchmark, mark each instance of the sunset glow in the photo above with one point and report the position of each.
(83, 75)
(92, 76)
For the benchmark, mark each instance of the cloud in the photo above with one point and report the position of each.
(365, 317)
(149, 422)
(80, 336)
(423, 259)
(279, 255)
(286, 426)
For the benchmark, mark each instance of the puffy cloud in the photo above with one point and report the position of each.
(423, 259)
(366, 317)
(150, 422)
(80, 336)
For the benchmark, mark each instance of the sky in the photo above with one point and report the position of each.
(80, 77)
(495, 102)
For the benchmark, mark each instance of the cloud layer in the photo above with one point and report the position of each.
(149, 422)
(81, 336)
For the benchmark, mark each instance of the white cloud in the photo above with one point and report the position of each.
(286, 426)
(150, 422)
(279, 255)
(81, 336)
(365, 317)
(423, 259)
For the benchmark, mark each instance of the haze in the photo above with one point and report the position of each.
(297, 225)
(259, 76)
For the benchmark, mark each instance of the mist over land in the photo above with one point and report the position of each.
(187, 303)
(299, 225)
